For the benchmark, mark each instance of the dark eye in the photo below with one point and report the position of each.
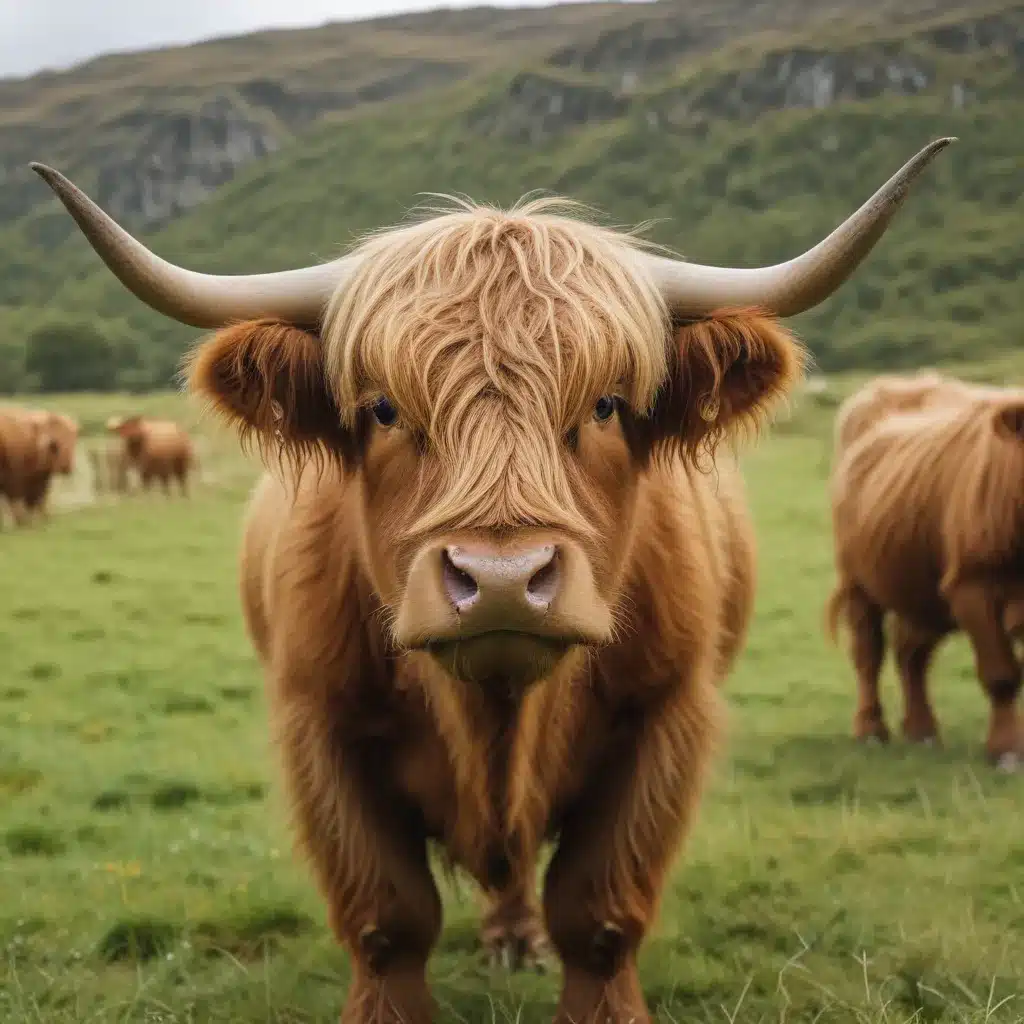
(384, 412)
(604, 408)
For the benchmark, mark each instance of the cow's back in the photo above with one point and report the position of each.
(167, 445)
(888, 395)
(890, 496)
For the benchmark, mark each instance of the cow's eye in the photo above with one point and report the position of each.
(384, 412)
(604, 408)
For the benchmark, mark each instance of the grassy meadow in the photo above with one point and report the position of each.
(146, 873)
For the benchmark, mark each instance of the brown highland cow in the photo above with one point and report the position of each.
(156, 449)
(63, 431)
(927, 529)
(29, 454)
(492, 590)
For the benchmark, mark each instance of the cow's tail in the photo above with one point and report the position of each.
(835, 610)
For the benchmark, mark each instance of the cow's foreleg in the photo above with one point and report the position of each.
(616, 846)
(978, 612)
(370, 859)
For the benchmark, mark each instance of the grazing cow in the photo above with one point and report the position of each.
(491, 585)
(927, 529)
(156, 449)
(29, 452)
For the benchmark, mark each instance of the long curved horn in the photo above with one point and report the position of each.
(199, 300)
(801, 283)
(299, 296)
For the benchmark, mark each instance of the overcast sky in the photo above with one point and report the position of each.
(37, 34)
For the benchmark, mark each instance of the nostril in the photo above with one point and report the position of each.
(460, 587)
(543, 584)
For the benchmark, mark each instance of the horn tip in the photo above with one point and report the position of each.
(48, 174)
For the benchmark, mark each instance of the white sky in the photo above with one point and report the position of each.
(37, 34)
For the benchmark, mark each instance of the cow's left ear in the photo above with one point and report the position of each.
(1008, 420)
(727, 373)
(266, 377)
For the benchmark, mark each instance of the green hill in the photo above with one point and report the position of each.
(744, 147)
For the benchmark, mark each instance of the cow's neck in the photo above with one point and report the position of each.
(495, 743)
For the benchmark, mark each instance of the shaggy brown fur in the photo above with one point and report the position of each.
(64, 431)
(493, 335)
(157, 450)
(882, 397)
(29, 453)
(927, 517)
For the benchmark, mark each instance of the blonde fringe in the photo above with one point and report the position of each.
(534, 313)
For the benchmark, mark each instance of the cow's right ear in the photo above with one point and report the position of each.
(266, 377)
(1009, 420)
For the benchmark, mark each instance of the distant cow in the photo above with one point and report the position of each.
(927, 527)
(893, 393)
(492, 588)
(156, 449)
(29, 454)
(63, 430)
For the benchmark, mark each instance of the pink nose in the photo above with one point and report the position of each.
(521, 584)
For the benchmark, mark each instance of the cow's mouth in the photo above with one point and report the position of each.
(510, 657)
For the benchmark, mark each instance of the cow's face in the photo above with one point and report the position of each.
(500, 398)
(131, 430)
(46, 441)
(47, 447)
(502, 560)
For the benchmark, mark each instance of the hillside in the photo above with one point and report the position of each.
(744, 149)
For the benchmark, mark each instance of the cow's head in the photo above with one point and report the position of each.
(498, 383)
(131, 430)
(48, 440)
(45, 443)
(65, 429)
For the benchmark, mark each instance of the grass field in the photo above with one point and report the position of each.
(145, 866)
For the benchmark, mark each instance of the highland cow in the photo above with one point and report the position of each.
(927, 530)
(491, 580)
(63, 430)
(158, 450)
(29, 453)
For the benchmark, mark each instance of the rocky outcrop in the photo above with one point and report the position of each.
(632, 49)
(175, 160)
(164, 152)
(809, 78)
(621, 67)
(535, 106)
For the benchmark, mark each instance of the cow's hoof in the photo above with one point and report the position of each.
(517, 948)
(870, 731)
(1009, 763)
(873, 739)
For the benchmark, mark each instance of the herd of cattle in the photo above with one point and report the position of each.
(501, 610)
(36, 445)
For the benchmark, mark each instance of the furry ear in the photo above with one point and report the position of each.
(266, 378)
(727, 373)
(1008, 420)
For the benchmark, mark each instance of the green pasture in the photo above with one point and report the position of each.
(146, 873)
